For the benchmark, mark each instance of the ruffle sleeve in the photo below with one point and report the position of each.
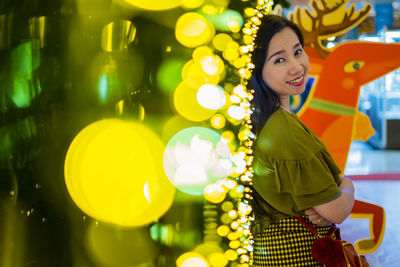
(310, 182)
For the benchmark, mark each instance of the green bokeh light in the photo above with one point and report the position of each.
(25, 59)
(169, 74)
(108, 84)
(196, 157)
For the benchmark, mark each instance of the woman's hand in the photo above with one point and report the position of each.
(315, 218)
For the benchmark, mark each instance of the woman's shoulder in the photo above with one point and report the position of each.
(284, 137)
(277, 126)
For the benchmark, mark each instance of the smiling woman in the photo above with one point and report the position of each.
(286, 67)
(294, 174)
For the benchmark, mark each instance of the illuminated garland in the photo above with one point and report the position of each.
(243, 223)
(204, 72)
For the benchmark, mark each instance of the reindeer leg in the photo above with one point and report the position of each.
(376, 215)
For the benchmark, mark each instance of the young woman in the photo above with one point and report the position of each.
(294, 174)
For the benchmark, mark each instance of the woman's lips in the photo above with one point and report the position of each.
(297, 82)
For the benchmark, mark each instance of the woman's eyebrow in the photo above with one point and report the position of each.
(281, 51)
(274, 54)
(296, 45)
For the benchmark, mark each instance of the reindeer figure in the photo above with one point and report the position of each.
(331, 107)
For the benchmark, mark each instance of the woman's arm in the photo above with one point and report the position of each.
(337, 210)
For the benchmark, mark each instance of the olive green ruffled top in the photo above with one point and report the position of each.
(293, 169)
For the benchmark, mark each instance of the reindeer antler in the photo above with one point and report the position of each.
(319, 30)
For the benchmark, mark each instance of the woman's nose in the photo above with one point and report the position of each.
(295, 66)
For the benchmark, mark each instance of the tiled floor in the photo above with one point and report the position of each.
(365, 160)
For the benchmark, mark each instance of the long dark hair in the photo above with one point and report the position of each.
(265, 100)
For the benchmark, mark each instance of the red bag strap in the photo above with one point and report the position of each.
(309, 226)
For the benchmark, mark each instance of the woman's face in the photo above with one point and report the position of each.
(286, 65)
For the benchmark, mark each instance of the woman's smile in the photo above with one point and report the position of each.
(299, 81)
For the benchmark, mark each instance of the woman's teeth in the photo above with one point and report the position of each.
(297, 80)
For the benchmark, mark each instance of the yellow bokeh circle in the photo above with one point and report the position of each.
(225, 219)
(218, 121)
(250, 12)
(234, 26)
(114, 173)
(214, 193)
(227, 206)
(233, 214)
(193, 30)
(234, 244)
(223, 230)
(232, 45)
(185, 103)
(153, 4)
(217, 259)
(231, 54)
(229, 136)
(193, 73)
(221, 40)
(201, 52)
(191, 259)
(231, 255)
(185, 70)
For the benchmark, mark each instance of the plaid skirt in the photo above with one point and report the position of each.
(286, 243)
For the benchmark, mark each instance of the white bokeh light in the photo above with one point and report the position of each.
(236, 112)
(194, 262)
(211, 96)
(196, 157)
(190, 174)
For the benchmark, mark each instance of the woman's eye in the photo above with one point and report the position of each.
(298, 51)
(279, 60)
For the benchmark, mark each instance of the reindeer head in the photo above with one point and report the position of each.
(319, 29)
(353, 64)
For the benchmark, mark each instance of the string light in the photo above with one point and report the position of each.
(241, 96)
(237, 219)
